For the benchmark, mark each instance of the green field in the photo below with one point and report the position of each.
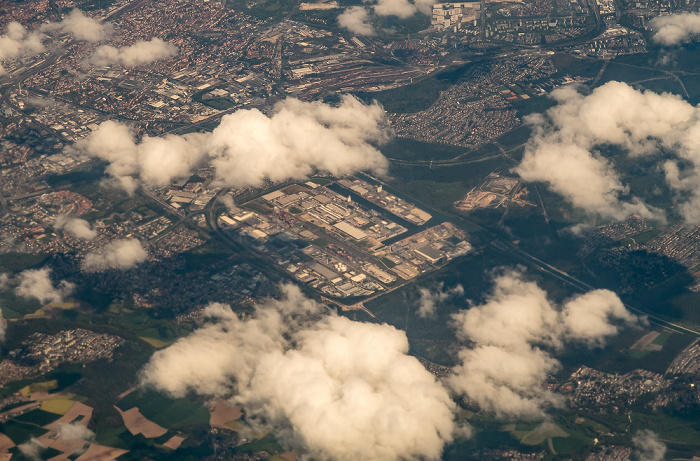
(410, 149)
(439, 187)
(569, 445)
(433, 338)
(38, 417)
(435, 187)
(543, 432)
(267, 443)
(165, 411)
(417, 96)
(487, 434)
(15, 405)
(642, 238)
(15, 307)
(681, 429)
(567, 64)
(20, 432)
(110, 437)
(276, 9)
(410, 98)
(17, 262)
(627, 73)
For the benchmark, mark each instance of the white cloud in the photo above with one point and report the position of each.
(248, 146)
(118, 254)
(75, 226)
(508, 382)
(36, 283)
(425, 6)
(648, 447)
(16, 41)
(74, 431)
(563, 148)
(507, 360)
(32, 449)
(400, 8)
(587, 318)
(334, 388)
(586, 179)
(429, 300)
(675, 28)
(81, 26)
(356, 20)
(140, 53)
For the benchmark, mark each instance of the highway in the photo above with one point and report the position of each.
(579, 285)
(7, 83)
(583, 286)
(349, 77)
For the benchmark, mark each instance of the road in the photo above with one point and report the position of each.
(460, 159)
(579, 285)
(583, 286)
(6, 84)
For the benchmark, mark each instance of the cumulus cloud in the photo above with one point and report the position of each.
(36, 283)
(648, 447)
(563, 150)
(402, 8)
(425, 6)
(356, 20)
(399, 8)
(32, 449)
(73, 431)
(140, 53)
(249, 147)
(155, 161)
(429, 300)
(118, 254)
(587, 318)
(510, 338)
(675, 28)
(335, 388)
(75, 226)
(16, 41)
(81, 26)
